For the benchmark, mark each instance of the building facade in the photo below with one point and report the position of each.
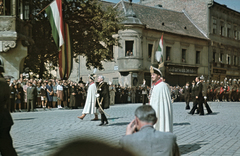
(186, 47)
(220, 25)
(15, 34)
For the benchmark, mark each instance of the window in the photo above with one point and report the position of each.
(228, 59)
(214, 56)
(129, 48)
(214, 27)
(221, 58)
(115, 81)
(184, 55)
(26, 10)
(5, 7)
(150, 47)
(222, 29)
(235, 33)
(228, 30)
(235, 60)
(168, 50)
(197, 57)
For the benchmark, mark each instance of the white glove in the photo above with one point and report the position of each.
(97, 95)
(205, 97)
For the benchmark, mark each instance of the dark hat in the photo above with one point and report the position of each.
(92, 76)
(155, 69)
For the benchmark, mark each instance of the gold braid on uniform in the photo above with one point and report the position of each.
(99, 86)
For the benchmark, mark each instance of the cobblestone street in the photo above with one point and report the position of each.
(41, 133)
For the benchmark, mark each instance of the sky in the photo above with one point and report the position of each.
(233, 4)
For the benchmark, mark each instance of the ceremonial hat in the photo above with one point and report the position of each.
(92, 76)
(155, 68)
(201, 77)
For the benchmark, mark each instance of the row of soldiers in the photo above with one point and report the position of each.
(227, 90)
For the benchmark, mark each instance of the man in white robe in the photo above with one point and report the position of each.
(90, 103)
(160, 100)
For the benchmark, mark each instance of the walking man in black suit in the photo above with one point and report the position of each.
(204, 93)
(198, 101)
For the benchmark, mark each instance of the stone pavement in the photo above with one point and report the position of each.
(41, 133)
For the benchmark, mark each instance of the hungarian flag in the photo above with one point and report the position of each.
(159, 52)
(54, 12)
(61, 36)
(65, 55)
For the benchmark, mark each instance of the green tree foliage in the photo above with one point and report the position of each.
(91, 24)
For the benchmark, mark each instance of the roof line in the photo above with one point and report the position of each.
(153, 7)
(116, 4)
(185, 13)
(124, 7)
(178, 33)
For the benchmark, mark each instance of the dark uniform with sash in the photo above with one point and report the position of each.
(6, 146)
(103, 100)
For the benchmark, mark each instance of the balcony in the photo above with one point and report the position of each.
(12, 29)
(130, 63)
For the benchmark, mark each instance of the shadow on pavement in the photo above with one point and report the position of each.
(114, 118)
(181, 124)
(213, 113)
(25, 119)
(184, 149)
(119, 124)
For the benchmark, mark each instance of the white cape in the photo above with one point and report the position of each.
(89, 107)
(161, 102)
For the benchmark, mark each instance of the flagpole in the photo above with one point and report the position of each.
(43, 9)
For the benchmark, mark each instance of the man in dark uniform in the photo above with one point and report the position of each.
(198, 98)
(103, 99)
(6, 146)
(204, 93)
(234, 90)
(186, 92)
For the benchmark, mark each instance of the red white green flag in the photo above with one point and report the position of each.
(54, 12)
(159, 52)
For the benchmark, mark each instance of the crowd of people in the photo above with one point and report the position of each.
(54, 93)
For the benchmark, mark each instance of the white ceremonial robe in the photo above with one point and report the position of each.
(89, 107)
(160, 100)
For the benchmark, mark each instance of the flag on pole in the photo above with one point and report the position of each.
(54, 12)
(65, 55)
(159, 52)
(68, 52)
(61, 36)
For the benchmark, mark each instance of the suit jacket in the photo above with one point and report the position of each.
(150, 142)
(103, 90)
(31, 92)
(186, 91)
(198, 90)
